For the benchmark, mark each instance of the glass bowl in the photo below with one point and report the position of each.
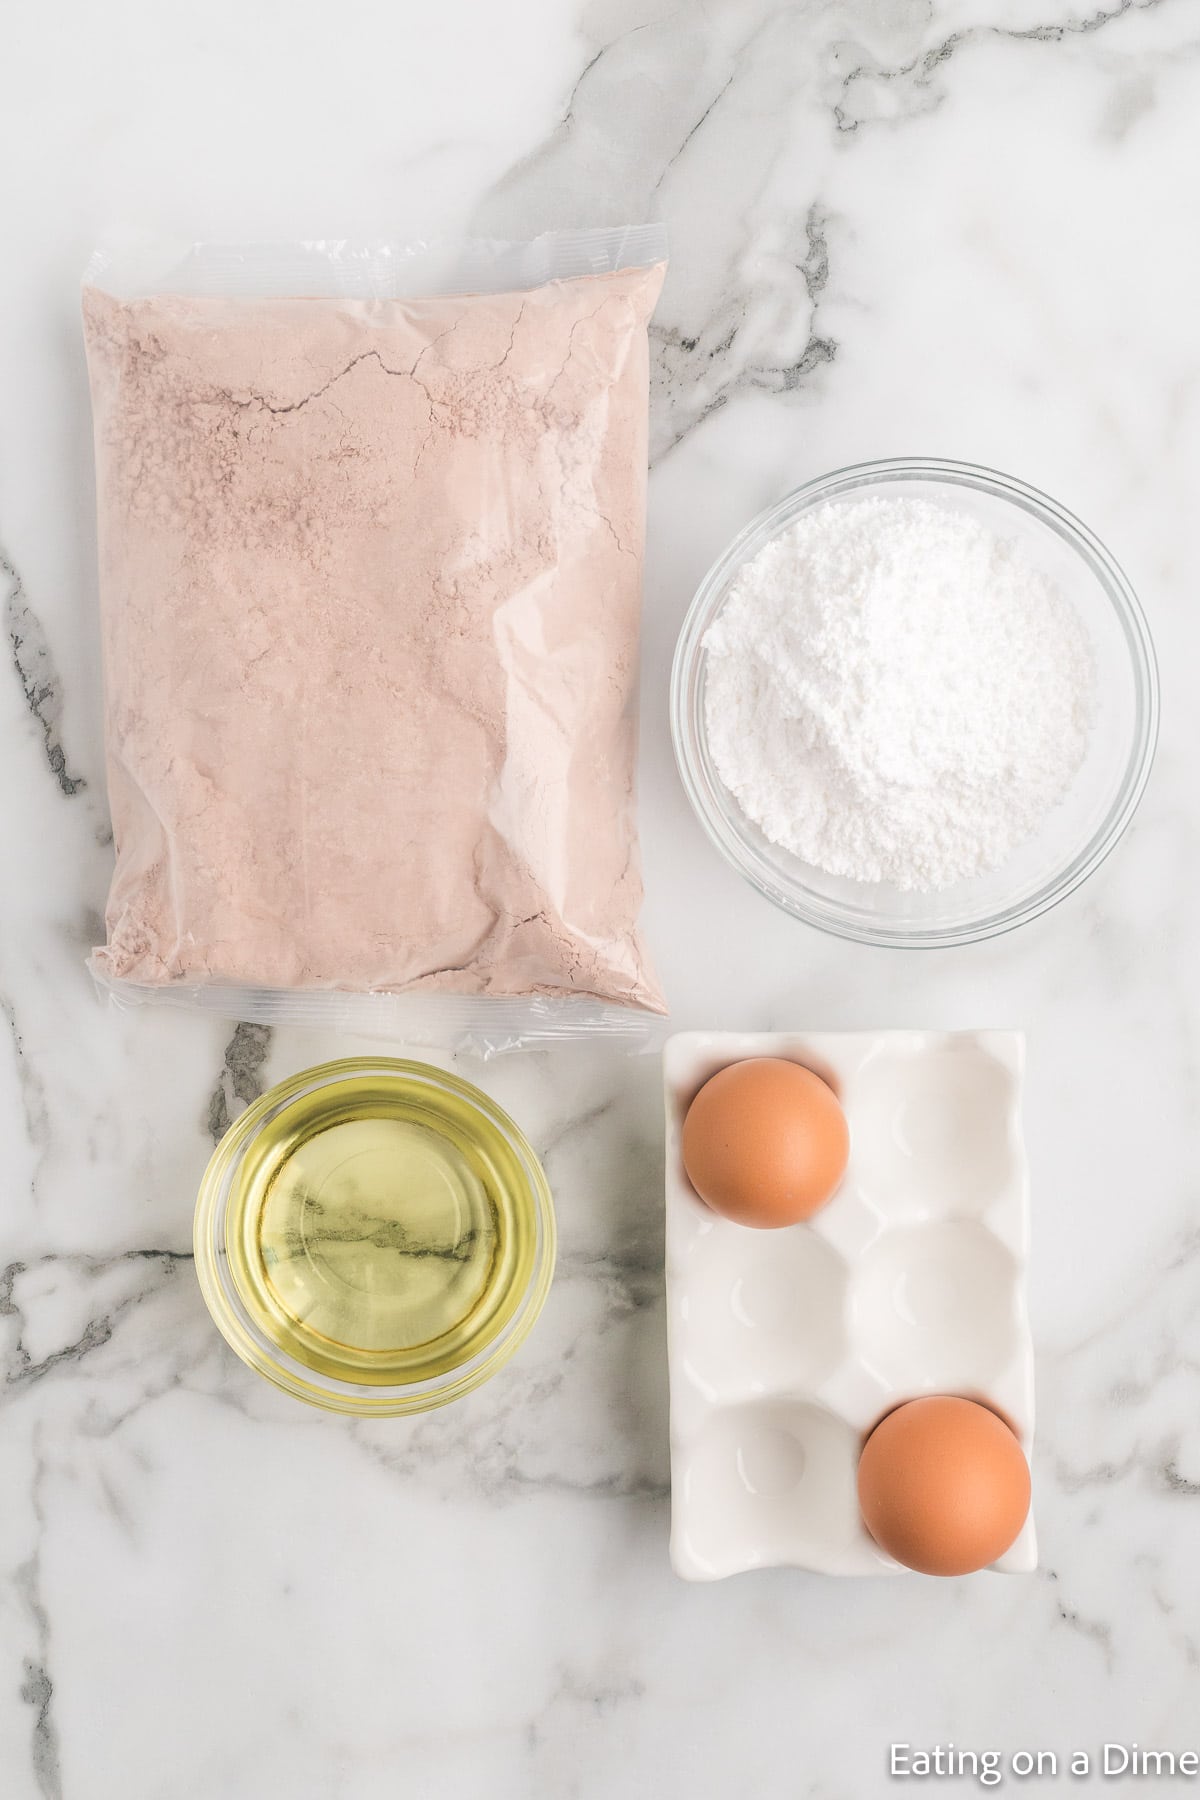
(374, 1236)
(1081, 830)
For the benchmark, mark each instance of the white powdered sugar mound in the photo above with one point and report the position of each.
(896, 694)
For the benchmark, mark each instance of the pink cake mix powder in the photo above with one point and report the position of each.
(370, 580)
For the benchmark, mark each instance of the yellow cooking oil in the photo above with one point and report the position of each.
(382, 1229)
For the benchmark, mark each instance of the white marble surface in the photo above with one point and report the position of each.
(961, 227)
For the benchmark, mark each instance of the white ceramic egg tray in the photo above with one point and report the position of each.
(787, 1346)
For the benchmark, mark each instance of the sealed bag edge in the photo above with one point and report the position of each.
(371, 268)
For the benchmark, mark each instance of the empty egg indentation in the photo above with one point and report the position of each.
(770, 1462)
(931, 1133)
(766, 1483)
(935, 1308)
(761, 1312)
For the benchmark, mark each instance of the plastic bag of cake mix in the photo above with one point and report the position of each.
(370, 537)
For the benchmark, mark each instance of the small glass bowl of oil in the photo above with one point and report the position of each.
(374, 1236)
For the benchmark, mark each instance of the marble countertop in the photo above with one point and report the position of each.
(951, 227)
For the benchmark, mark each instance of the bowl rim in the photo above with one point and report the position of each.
(687, 734)
(278, 1366)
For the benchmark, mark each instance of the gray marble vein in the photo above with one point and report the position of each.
(241, 1077)
(37, 1685)
(34, 663)
(139, 1272)
(913, 81)
(34, 1105)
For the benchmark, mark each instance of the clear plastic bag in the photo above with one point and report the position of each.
(371, 524)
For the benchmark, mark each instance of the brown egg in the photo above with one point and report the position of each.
(943, 1486)
(765, 1142)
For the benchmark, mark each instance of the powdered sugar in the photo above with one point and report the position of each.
(896, 694)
